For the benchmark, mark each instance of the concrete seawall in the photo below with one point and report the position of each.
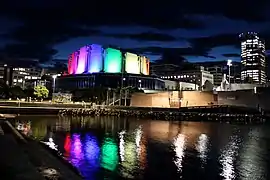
(54, 110)
(30, 110)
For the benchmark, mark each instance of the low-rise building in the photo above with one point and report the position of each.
(219, 68)
(178, 85)
(19, 76)
(200, 77)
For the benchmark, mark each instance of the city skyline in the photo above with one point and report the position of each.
(184, 32)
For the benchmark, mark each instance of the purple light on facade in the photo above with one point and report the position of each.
(82, 60)
(75, 61)
(95, 58)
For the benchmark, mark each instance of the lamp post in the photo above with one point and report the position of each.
(140, 84)
(229, 64)
(54, 78)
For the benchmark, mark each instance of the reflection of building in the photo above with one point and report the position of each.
(164, 131)
(201, 77)
(93, 66)
(252, 58)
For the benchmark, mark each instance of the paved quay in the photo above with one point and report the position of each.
(14, 163)
(29, 160)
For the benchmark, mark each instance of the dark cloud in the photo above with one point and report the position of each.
(233, 40)
(48, 27)
(231, 55)
(247, 10)
(47, 33)
(146, 36)
(23, 50)
(112, 13)
(215, 41)
(46, 23)
(189, 51)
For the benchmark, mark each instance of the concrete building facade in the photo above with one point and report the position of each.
(173, 99)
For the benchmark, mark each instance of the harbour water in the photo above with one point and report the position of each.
(113, 148)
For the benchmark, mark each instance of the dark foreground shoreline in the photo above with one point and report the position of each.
(24, 158)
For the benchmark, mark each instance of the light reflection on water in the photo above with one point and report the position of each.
(76, 153)
(254, 149)
(92, 152)
(109, 154)
(202, 148)
(136, 149)
(228, 157)
(179, 144)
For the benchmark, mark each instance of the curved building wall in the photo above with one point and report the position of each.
(113, 61)
(82, 60)
(132, 63)
(95, 59)
(72, 63)
(144, 65)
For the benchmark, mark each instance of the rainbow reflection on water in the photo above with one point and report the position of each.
(76, 154)
(83, 152)
(109, 154)
(92, 151)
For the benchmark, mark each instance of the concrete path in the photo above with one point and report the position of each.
(14, 163)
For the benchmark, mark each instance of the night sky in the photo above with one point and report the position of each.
(193, 30)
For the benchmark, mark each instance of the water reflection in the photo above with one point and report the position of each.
(179, 144)
(67, 146)
(202, 148)
(228, 157)
(109, 154)
(143, 149)
(92, 153)
(138, 140)
(51, 144)
(251, 166)
(122, 146)
(76, 153)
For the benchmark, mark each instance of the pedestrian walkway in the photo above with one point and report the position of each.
(1, 130)
(14, 163)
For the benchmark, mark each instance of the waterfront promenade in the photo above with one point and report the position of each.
(26, 159)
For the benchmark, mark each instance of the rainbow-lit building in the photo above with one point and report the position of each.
(94, 65)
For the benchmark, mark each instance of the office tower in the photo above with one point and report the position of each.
(252, 58)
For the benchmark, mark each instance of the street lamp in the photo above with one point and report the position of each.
(54, 77)
(229, 64)
(140, 84)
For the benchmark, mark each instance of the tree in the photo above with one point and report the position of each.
(16, 92)
(41, 91)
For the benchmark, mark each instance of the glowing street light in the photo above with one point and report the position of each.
(229, 64)
(54, 77)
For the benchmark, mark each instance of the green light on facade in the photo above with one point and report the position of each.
(109, 154)
(113, 61)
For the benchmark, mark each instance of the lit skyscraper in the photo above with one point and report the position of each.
(252, 58)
